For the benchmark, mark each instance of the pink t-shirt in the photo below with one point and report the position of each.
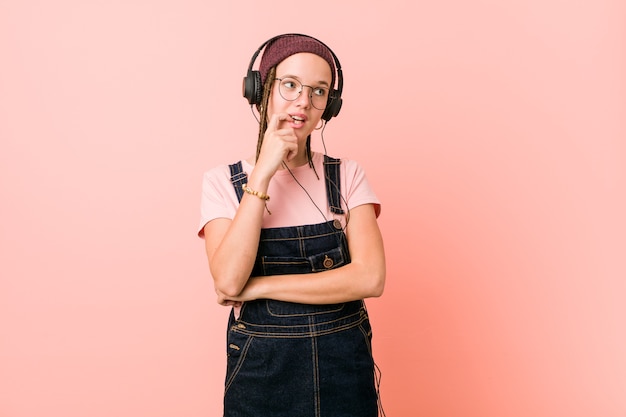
(289, 203)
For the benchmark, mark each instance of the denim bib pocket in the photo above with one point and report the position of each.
(282, 265)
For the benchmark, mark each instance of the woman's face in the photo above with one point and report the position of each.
(309, 73)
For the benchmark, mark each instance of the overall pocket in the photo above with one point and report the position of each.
(276, 265)
(282, 265)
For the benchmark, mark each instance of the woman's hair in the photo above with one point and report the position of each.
(262, 108)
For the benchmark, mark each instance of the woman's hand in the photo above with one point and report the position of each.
(223, 299)
(280, 144)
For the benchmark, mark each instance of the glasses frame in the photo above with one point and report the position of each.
(328, 98)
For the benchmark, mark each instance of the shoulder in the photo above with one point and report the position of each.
(357, 189)
(217, 180)
(219, 200)
(347, 164)
(219, 173)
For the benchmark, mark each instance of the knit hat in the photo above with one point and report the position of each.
(285, 46)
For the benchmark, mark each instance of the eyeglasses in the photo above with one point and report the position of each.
(290, 89)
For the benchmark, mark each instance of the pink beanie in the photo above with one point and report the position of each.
(285, 46)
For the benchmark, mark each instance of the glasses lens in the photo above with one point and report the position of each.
(291, 88)
(319, 97)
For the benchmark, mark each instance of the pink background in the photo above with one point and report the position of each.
(493, 131)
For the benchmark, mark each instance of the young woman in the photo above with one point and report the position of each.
(294, 247)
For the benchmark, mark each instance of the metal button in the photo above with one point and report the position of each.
(337, 224)
(328, 263)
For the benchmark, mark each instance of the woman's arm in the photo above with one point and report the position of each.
(231, 245)
(362, 278)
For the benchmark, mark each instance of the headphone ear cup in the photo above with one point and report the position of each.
(333, 107)
(251, 88)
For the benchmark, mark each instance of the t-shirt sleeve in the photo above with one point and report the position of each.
(218, 199)
(358, 188)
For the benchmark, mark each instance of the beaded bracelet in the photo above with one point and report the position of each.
(262, 196)
(249, 190)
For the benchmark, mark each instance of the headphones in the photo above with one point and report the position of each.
(253, 88)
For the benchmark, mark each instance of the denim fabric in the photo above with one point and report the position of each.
(333, 178)
(300, 360)
(238, 178)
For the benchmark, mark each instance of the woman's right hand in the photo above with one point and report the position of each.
(280, 143)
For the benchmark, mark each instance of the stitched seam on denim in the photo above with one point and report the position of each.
(304, 333)
(301, 238)
(278, 239)
(300, 335)
(238, 177)
(351, 316)
(317, 313)
(332, 175)
(334, 207)
(266, 262)
(316, 380)
(366, 336)
(239, 364)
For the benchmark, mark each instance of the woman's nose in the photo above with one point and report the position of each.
(304, 99)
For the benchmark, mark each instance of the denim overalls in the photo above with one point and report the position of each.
(300, 360)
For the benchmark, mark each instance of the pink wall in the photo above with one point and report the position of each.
(492, 131)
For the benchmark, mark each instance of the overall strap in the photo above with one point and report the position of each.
(238, 178)
(333, 183)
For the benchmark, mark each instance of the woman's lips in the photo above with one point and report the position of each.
(298, 120)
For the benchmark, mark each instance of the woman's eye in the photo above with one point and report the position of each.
(289, 84)
(321, 92)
